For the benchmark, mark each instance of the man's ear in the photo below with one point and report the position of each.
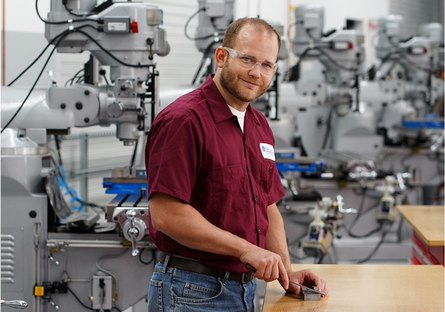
(220, 55)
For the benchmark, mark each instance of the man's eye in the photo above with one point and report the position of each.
(267, 65)
(246, 59)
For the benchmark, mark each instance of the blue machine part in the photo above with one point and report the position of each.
(285, 155)
(429, 121)
(311, 167)
(123, 188)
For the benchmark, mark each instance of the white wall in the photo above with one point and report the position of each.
(21, 15)
(24, 40)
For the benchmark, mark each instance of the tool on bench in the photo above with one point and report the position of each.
(305, 288)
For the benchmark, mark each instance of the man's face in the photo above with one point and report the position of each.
(243, 84)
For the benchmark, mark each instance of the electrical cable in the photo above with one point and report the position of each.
(320, 260)
(293, 243)
(46, 63)
(330, 59)
(133, 157)
(360, 209)
(144, 262)
(78, 300)
(199, 38)
(360, 214)
(338, 65)
(34, 85)
(374, 36)
(109, 53)
(105, 78)
(371, 254)
(204, 57)
(38, 57)
(63, 180)
(112, 256)
(410, 62)
(377, 229)
(328, 128)
(292, 74)
(75, 76)
(44, 50)
(212, 20)
(289, 28)
(71, 11)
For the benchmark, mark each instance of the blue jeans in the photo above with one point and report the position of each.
(173, 290)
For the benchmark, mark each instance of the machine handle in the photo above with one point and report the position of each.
(15, 304)
(56, 262)
(132, 231)
(340, 206)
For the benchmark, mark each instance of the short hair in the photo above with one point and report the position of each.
(258, 24)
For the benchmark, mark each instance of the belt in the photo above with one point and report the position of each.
(197, 267)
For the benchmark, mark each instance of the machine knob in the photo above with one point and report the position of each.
(56, 306)
(340, 206)
(15, 304)
(56, 262)
(115, 110)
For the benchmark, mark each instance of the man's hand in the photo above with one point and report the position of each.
(268, 265)
(307, 278)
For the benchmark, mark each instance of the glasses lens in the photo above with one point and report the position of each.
(250, 62)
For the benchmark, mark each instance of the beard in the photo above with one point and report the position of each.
(229, 80)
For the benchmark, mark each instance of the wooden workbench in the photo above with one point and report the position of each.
(364, 288)
(428, 232)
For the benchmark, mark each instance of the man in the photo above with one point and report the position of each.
(213, 184)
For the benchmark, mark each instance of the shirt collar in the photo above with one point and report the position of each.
(217, 104)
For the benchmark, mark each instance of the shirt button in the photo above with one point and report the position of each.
(255, 199)
(259, 230)
(270, 169)
(248, 169)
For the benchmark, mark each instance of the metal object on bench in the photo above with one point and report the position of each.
(308, 295)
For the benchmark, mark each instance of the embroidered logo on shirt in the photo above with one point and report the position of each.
(267, 151)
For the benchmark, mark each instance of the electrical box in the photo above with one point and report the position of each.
(117, 24)
(102, 292)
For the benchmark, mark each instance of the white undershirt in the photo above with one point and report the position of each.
(239, 115)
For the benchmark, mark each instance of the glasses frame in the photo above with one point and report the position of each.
(239, 55)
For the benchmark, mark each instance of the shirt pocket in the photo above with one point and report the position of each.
(267, 171)
(229, 189)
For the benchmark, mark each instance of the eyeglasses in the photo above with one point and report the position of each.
(249, 61)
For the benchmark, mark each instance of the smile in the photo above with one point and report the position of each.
(251, 83)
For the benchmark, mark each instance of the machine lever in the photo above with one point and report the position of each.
(56, 306)
(15, 304)
(340, 206)
(132, 231)
(56, 262)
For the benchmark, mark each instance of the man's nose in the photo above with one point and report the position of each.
(255, 70)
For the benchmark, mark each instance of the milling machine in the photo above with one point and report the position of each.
(339, 119)
(55, 257)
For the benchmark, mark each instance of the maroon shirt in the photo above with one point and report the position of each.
(197, 152)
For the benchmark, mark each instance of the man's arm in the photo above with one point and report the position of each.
(187, 226)
(276, 236)
(276, 242)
